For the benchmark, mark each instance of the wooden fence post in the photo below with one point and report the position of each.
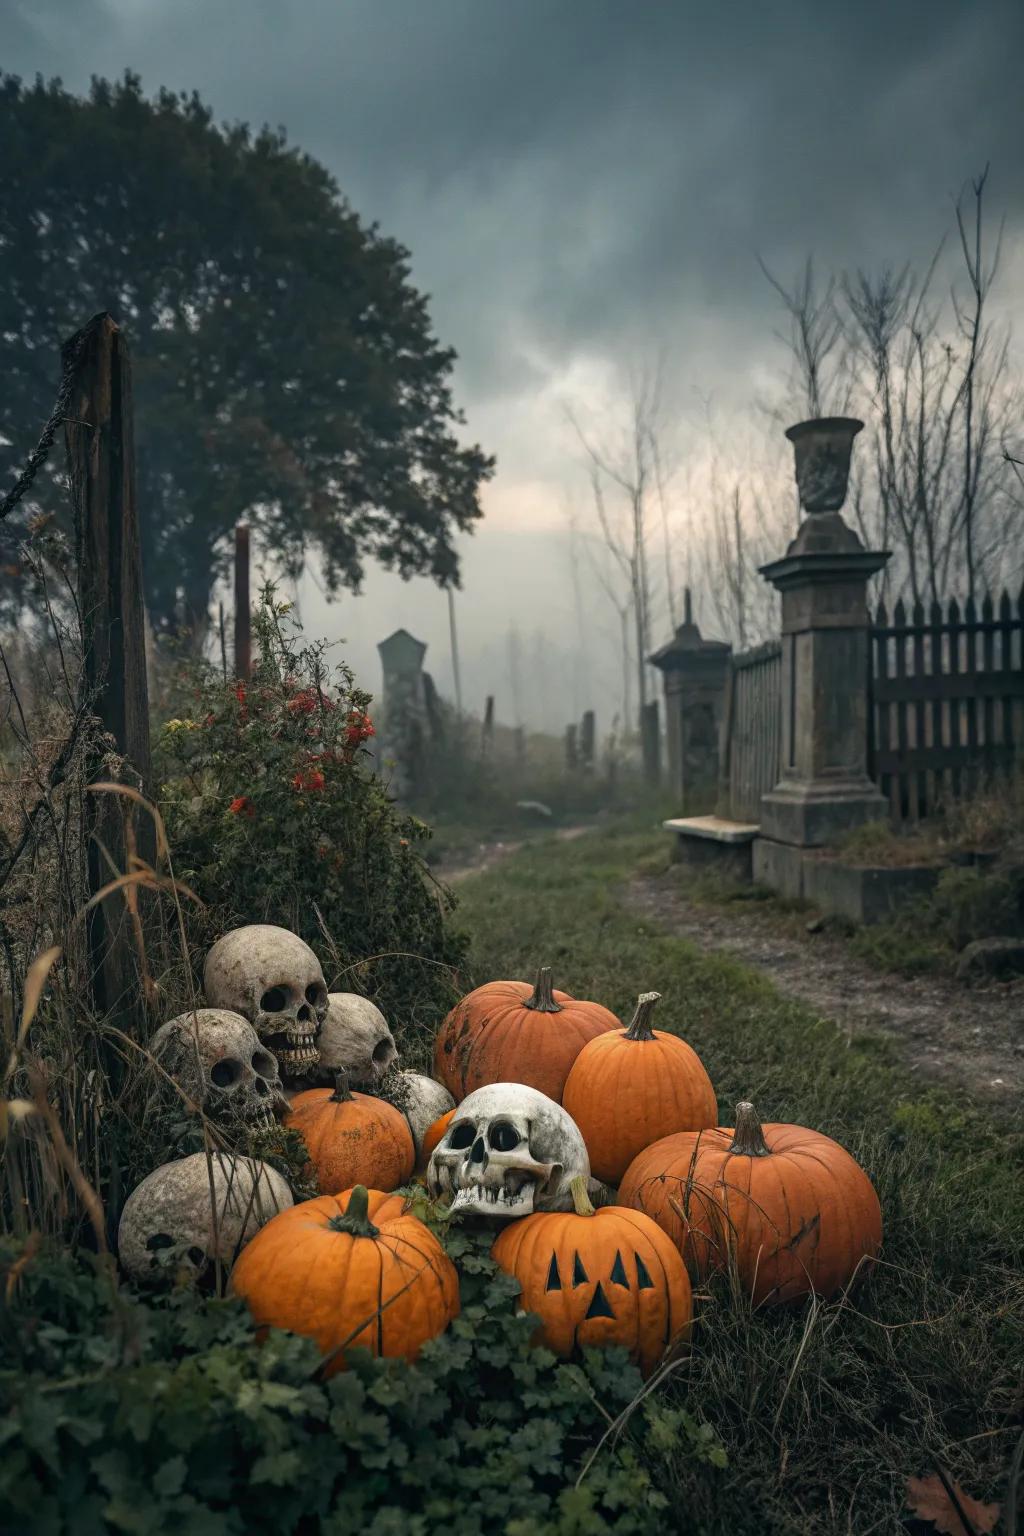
(243, 605)
(487, 733)
(101, 464)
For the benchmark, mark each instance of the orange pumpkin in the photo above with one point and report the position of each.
(631, 1087)
(431, 1136)
(510, 1032)
(353, 1138)
(598, 1278)
(787, 1208)
(351, 1271)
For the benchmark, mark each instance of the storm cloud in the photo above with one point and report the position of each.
(580, 183)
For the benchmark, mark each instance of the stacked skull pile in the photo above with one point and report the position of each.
(534, 1092)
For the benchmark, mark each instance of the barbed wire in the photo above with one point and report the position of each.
(37, 458)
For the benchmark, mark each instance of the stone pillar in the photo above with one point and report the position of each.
(694, 670)
(401, 729)
(825, 789)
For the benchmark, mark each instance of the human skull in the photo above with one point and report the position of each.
(421, 1100)
(355, 1038)
(169, 1219)
(508, 1151)
(217, 1058)
(274, 980)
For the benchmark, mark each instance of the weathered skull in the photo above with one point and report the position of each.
(217, 1058)
(508, 1151)
(355, 1038)
(168, 1220)
(421, 1100)
(273, 979)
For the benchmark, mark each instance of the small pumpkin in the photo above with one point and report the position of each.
(510, 1032)
(353, 1138)
(599, 1278)
(352, 1271)
(787, 1207)
(634, 1086)
(431, 1136)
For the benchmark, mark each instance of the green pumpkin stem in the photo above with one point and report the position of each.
(748, 1137)
(356, 1221)
(342, 1093)
(542, 998)
(640, 1026)
(580, 1197)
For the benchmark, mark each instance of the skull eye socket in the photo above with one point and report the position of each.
(264, 1064)
(316, 995)
(462, 1135)
(383, 1052)
(157, 1240)
(502, 1136)
(274, 1000)
(225, 1072)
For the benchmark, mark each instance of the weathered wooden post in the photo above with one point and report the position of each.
(243, 604)
(101, 465)
(571, 752)
(487, 732)
(588, 741)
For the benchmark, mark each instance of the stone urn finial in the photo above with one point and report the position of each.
(822, 450)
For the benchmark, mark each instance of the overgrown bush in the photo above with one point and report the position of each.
(273, 816)
(161, 1418)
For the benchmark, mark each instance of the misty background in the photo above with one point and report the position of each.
(585, 190)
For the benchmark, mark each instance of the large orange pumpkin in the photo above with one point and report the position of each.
(353, 1138)
(598, 1278)
(787, 1208)
(631, 1087)
(351, 1271)
(431, 1136)
(510, 1032)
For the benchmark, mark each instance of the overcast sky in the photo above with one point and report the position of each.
(581, 184)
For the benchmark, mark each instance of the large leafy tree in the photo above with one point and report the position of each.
(285, 370)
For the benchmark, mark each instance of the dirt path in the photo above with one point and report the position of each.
(970, 1039)
(488, 854)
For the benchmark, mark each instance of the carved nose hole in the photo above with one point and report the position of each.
(225, 1072)
(479, 1152)
(599, 1304)
(262, 1088)
(274, 1000)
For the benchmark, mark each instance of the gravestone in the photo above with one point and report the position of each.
(403, 716)
(694, 672)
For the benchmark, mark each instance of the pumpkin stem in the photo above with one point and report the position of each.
(748, 1137)
(356, 1221)
(542, 998)
(640, 1025)
(580, 1198)
(342, 1093)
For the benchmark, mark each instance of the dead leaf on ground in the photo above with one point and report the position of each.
(928, 1499)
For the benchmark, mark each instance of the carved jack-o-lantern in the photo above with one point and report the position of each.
(598, 1278)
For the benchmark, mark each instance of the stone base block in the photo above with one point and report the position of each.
(815, 814)
(779, 866)
(862, 895)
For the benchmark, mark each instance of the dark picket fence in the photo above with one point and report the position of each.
(946, 711)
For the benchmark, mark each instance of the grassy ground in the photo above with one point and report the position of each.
(824, 1413)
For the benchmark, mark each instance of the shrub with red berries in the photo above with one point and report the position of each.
(275, 815)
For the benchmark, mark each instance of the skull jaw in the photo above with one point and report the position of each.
(295, 1048)
(494, 1202)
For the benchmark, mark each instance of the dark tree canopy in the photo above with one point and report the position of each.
(284, 367)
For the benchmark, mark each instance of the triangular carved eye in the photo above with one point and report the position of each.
(579, 1274)
(619, 1271)
(599, 1304)
(643, 1279)
(554, 1278)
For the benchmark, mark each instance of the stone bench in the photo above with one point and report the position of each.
(715, 844)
